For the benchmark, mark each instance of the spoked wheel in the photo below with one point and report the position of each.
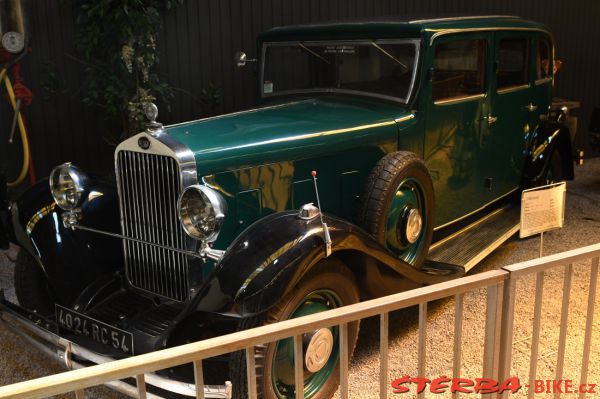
(398, 205)
(329, 286)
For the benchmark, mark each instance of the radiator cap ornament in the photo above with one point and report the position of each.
(151, 111)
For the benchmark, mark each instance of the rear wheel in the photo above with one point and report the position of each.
(31, 286)
(329, 286)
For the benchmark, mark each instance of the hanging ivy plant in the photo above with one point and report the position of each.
(116, 42)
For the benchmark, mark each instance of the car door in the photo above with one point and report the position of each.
(543, 60)
(456, 134)
(511, 100)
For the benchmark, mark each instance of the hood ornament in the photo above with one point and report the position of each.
(153, 127)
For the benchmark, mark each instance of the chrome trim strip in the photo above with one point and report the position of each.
(415, 42)
(459, 99)
(441, 32)
(404, 118)
(542, 81)
(179, 387)
(122, 237)
(512, 89)
(476, 210)
(420, 21)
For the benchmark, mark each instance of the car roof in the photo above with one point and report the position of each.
(398, 26)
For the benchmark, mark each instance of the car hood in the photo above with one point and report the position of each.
(286, 131)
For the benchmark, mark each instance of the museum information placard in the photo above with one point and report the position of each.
(542, 209)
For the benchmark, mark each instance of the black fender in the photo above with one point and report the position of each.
(70, 259)
(274, 253)
(548, 136)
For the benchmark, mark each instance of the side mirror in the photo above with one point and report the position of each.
(240, 58)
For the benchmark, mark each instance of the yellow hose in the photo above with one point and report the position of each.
(24, 140)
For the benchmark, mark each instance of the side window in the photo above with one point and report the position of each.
(459, 69)
(544, 60)
(512, 63)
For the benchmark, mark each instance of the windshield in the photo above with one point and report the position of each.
(382, 68)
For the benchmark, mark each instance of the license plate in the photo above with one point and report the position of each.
(95, 330)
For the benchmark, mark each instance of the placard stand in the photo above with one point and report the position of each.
(542, 209)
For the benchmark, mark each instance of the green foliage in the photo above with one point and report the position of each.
(116, 42)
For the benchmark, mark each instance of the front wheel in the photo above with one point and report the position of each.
(330, 285)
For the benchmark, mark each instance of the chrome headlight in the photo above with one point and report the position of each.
(201, 212)
(67, 185)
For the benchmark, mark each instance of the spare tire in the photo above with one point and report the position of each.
(397, 206)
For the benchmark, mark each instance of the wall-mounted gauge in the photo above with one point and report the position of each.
(13, 42)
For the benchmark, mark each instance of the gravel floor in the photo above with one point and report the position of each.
(19, 362)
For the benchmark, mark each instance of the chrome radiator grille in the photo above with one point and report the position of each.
(149, 186)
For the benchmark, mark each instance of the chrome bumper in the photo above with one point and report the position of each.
(63, 351)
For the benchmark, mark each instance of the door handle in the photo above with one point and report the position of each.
(531, 107)
(490, 119)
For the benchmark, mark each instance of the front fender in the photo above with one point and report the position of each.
(548, 137)
(273, 254)
(70, 259)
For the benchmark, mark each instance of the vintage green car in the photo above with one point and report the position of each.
(414, 138)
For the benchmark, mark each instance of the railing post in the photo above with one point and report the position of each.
(458, 319)
(491, 351)
(506, 330)
(535, 340)
(384, 320)
(251, 373)
(422, 343)
(564, 321)
(199, 379)
(344, 361)
(141, 386)
(589, 324)
(298, 367)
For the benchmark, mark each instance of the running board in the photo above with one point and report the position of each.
(468, 247)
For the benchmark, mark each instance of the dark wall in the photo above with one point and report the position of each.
(196, 46)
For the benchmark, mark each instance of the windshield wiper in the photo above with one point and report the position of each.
(314, 53)
(396, 60)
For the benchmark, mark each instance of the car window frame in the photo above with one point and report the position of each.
(550, 78)
(528, 64)
(413, 82)
(463, 36)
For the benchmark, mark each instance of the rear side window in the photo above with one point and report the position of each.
(459, 69)
(512, 63)
(544, 59)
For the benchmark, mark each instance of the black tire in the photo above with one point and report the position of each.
(380, 190)
(329, 274)
(31, 285)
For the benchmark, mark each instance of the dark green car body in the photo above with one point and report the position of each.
(261, 159)
(471, 125)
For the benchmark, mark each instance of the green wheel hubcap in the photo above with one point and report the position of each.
(406, 223)
(283, 358)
